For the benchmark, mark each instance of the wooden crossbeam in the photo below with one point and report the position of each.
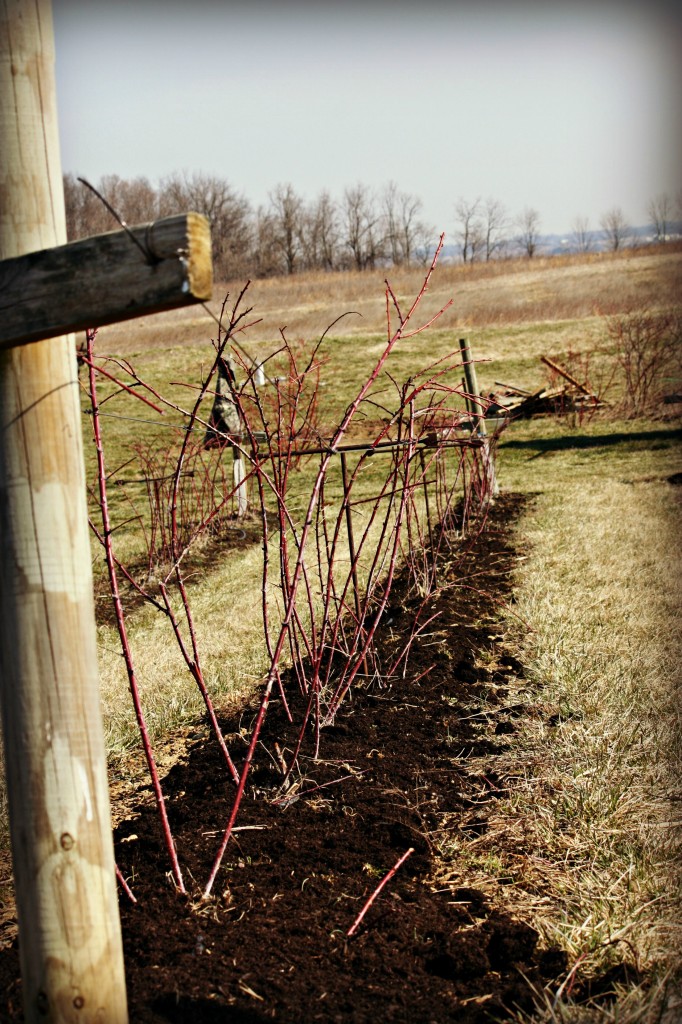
(105, 279)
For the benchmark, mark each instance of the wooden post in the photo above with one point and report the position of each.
(476, 411)
(69, 930)
(239, 480)
(425, 485)
(565, 374)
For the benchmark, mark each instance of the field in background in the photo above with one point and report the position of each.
(484, 296)
(511, 311)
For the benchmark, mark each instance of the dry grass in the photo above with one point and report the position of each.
(587, 845)
(484, 295)
(606, 652)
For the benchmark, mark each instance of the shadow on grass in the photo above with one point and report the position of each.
(643, 438)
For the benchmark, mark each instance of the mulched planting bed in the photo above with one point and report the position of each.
(271, 943)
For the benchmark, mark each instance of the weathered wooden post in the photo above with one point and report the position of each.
(69, 931)
(476, 412)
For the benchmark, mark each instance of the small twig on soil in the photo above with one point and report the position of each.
(387, 877)
(237, 828)
(124, 885)
(282, 801)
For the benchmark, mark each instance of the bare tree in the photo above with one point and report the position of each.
(287, 210)
(424, 244)
(287, 235)
(494, 225)
(228, 214)
(583, 238)
(321, 233)
(529, 232)
(469, 230)
(264, 256)
(85, 214)
(389, 204)
(134, 200)
(660, 212)
(114, 189)
(402, 227)
(413, 230)
(82, 213)
(616, 229)
(361, 229)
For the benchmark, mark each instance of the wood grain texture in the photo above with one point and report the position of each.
(105, 279)
(69, 930)
(478, 416)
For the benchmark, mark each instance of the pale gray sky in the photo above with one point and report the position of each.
(569, 108)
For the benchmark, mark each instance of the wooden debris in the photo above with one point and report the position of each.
(565, 374)
(518, 403)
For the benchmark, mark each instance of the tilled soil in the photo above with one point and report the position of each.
(272, 943)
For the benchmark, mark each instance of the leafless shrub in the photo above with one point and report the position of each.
(342, 512)
(649, 343)
(206, 502)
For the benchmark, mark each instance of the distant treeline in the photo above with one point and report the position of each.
(361, 230)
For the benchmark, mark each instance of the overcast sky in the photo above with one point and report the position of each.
(568, 108)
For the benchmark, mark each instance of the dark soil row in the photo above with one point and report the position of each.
(272, 943)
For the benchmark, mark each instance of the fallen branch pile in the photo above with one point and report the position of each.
(555, 398)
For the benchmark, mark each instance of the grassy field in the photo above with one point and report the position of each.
(596, 770)
(598, 598)
(512, 313)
